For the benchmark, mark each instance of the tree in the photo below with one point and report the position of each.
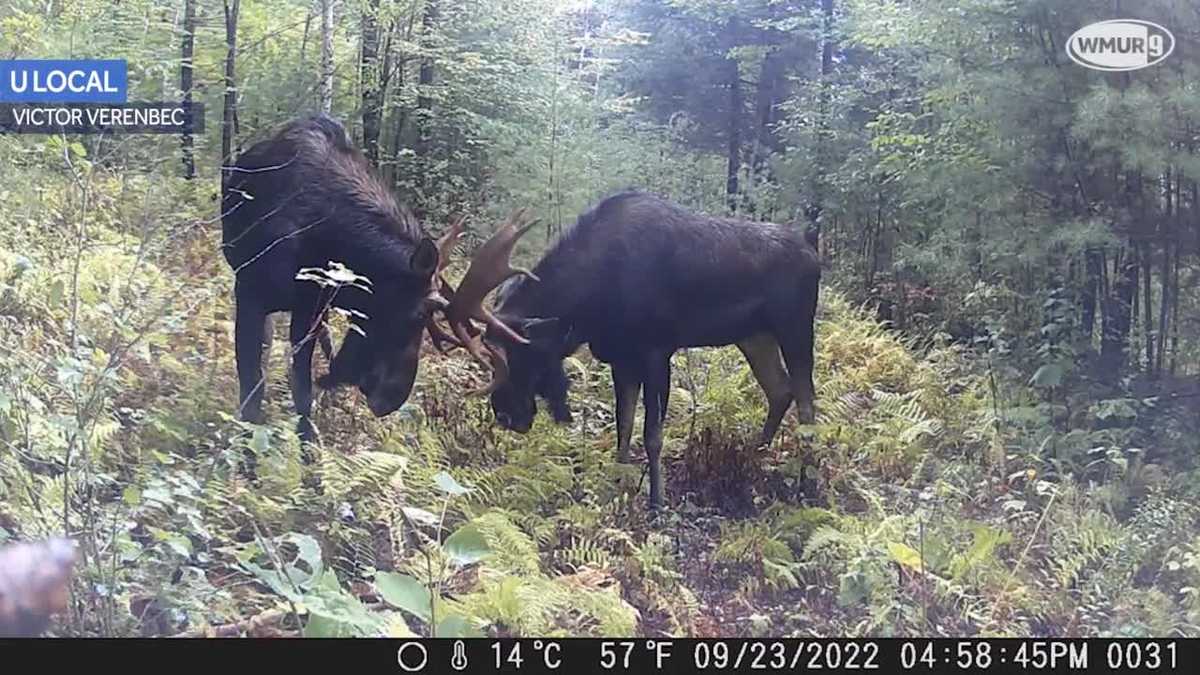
(816, 206)
(229, 116)
(326, 7)
(372, 84)
(425, 80)
(186, 68)
(719, 71)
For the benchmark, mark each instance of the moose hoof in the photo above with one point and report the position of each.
(306, 431)
(807, 413)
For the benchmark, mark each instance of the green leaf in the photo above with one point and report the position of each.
(335, 613)
(446, 483)
(852, 589)
(1048, 376)
(57, 291)
(1116, 408)
(261, 441)
(320, 626)
(131, 496)
(986, 541)
(180, 545)
(455, 626)
(466, 545)
(405, 592)
(420, 516)
(905, 555)
(293, 576)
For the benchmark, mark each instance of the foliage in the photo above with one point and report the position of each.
(1006, 356)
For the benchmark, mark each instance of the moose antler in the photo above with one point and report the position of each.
(490, 267)
(445, 244)
(444, 292)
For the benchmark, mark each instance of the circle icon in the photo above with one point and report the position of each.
(405, 665)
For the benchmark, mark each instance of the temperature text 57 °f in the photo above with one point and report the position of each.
(617, 655)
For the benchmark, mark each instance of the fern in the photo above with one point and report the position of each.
(347, 476)
(826, 538)
(584, 552)
(512, 550)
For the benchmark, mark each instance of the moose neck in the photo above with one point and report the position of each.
(382, 261)
(561, 291)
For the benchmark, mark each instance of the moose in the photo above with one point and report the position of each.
(637, 278)
(306, 197)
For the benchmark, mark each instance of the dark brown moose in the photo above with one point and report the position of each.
(638, 278)
(306, 198)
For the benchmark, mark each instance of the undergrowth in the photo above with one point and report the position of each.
(915, 505)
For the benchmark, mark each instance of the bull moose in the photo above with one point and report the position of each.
(306, 197)
(638, 278)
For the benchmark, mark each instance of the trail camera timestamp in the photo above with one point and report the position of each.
(1038, 655)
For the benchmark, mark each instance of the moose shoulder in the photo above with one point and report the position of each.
(638, 278)
(305, 198)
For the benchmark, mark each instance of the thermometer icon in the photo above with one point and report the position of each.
(458, 660)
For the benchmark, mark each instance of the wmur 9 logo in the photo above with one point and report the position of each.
(1120, 44)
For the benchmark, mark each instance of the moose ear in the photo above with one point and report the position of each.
(424, 258)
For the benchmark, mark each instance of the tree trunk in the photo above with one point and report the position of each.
(766, 97)
(818, 198)
(1147, 307)
(734, 131)
(1175, 308)
(394, 72)
(326, 55)
(371, 80)
(308, 17)
(1164, 306)
(1091, 291)
(229, 122)
(1114, 344)
(733, 124)
(827, 38)
(423, 117)
(186, 66)
(425, 78)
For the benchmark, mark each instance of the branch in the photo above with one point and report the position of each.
(265, 624)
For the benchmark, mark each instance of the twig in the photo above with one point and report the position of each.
(1024, 552)
(270, 618)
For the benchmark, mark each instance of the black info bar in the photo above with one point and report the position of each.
(102, 118)
(644, 656)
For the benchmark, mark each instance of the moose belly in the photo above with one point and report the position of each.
(719, 325)
(702, 325)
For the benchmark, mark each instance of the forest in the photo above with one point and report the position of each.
(1005, 431)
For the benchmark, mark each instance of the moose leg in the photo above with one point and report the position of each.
(796, 333)
(267, 342)
(627, 383)
(762, 351)
(304, 333)
(657, 388)
(248, 342)
(326, 341)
